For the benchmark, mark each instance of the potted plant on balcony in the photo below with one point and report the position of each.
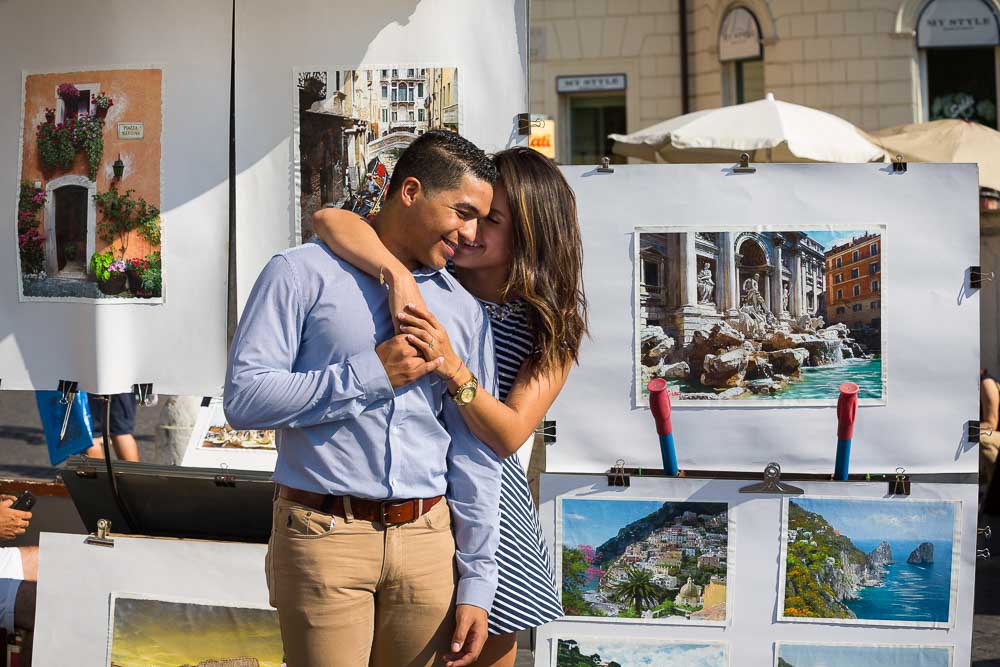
(88, 137)
(70, 95)
(122, 214)
(135, 267)
(151, 278)
(100, 104)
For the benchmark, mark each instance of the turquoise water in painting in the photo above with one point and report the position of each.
(822, 382)
(909, 592)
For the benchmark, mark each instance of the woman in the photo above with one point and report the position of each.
(525, 267)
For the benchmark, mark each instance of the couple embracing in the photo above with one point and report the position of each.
(404, 363)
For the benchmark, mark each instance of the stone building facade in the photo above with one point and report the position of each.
(603, 66)
(854, 282)
(693, 280)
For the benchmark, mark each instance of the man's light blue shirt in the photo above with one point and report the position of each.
(303, 362)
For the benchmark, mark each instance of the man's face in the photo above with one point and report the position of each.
(440, 221)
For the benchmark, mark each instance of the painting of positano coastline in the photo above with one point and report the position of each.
(760, 317)
(163, 633)
(646, 561)
(353, 124)
(875, 562)
(634, 652)
(861, 655)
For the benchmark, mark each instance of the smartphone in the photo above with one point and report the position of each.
(24, 502)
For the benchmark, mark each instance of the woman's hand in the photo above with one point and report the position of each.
(427, 335)
(403, 290)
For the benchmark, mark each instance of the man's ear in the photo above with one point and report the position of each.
(410, 191)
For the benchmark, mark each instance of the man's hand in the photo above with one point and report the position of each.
(12, 522)
(469, 637)
(403, 363)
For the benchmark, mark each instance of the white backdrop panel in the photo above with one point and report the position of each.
(179, 346)
(71, 626)
(930, 317)
(753, 568)
(485, 39)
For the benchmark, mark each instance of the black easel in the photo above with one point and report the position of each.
(106, 442)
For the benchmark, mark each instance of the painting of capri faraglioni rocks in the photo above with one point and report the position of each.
(876, 562)
(733, 316)
(591, 651)
(162, 633)
(854, 655)
(646, 560)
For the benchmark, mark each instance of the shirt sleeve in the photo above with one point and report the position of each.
(474, 473)
(262, 390)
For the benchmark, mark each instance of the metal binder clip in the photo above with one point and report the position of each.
(974, 430)
(744, 166)
(68, 390)
(605, 167)
(143, 394)
(983, 554)
(901, 485)
(898, 165)
(772, 483)
(225, 478)
(101, 539)
(976, 277)
(617, 476)
(548, 432)
(986, 533)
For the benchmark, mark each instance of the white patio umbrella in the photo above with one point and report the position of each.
(769, 130)
(947, 140)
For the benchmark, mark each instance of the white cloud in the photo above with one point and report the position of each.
(575, 517)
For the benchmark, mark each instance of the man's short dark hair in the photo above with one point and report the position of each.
(439, 159)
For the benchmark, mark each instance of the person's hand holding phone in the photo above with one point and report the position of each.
(12, 522)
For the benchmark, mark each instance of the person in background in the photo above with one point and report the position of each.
(18, 576)
(122, 426)
(525, 267)
(989, 438)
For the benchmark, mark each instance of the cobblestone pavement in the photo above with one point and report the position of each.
(64, 287)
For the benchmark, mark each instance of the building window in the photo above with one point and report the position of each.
(385, 91)
(337, 78)
(873, 249)
(395, 116)
(841, 310)
(409, 73)
(651, 274)
(592, 119)
(856, 307)
(855, 256)
(423, 71)
(855, 273)
(742, 57)
(874, 285)
(385, 115)
(420, 90)
(875, 305)
(369, 73)
(410, 116)
(958, 66)
(840, 294)
(857, 290)
(873, 268)
(839, 278)
(385, 74)
(395, 74)
(839, 262)
(420, 114)
(394, 92)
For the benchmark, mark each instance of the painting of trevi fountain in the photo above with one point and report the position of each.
(752, 315)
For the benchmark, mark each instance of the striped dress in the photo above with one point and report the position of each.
(526, 594)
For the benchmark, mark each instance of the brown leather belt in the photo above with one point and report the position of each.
(388, 512)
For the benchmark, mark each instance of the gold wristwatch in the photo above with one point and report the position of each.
(466, 393)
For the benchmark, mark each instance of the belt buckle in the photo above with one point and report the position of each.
(384, 515)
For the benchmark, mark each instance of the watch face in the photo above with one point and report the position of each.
(466, 395)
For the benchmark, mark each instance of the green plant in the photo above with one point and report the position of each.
(637, 590)
(152, 280)
(99, 264)
(56, 149)
(122, 215)
(88, 136)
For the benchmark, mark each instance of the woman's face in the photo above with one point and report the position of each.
(494, 237)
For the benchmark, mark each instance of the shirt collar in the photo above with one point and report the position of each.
(438, 275)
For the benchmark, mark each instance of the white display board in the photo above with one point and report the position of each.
(306, 36)
(177, 343)
(929, 317)
(72, 610)
(753, 569)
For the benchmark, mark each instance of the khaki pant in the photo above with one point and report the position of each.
(351, 593)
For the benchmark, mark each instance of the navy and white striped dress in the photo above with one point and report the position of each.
(526, 593)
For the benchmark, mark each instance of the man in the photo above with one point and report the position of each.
(361, 562)
(122, 426)
(18, 575)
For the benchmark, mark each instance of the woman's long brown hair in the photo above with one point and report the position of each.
(547, 256)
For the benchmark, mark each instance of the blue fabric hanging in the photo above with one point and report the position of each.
(79, 433)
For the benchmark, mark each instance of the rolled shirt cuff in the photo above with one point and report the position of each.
(476, 592)
(371, 376)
